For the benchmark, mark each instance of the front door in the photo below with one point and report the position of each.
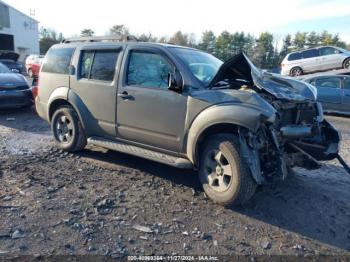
(329, 92)
(147, 112)
(330, 58)
(346, 95)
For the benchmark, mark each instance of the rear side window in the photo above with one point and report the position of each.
(310, 53)
(57, 60)
(294, 56)
(330, 82)
(98, 64)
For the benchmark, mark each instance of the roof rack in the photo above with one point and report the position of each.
(112, 38)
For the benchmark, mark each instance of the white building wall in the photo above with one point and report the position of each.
(25, 30)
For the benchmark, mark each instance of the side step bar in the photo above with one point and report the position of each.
(141, 152)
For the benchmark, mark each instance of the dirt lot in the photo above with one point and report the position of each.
(107, 203)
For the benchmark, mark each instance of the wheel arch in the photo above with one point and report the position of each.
(343, 63)
(298, 66)
(220, 119)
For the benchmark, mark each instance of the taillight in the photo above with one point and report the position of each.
(35, 87)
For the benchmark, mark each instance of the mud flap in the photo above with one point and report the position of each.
(251, 157)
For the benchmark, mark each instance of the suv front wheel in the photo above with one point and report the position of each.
(67, 130)
(223, 173)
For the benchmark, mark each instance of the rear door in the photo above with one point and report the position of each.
(329, 92)
(310, 61)
(147, 112)
(346, 95)
(95, 84)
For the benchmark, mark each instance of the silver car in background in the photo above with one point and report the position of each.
(315, 59)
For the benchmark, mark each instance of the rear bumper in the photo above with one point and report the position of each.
(41, 108)
(15, 99)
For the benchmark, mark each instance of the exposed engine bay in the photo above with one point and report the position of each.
(298, 134)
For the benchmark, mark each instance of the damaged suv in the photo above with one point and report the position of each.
(237, 125)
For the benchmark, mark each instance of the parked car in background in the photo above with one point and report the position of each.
(14, 66)
(32, 64)
(33, 69)
(14, 89)
(333, 91)
(315, 59)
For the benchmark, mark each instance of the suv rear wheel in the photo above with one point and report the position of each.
(224, 175)
(67, 130)
(296, 71)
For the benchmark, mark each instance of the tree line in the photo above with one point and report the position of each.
(266, 51)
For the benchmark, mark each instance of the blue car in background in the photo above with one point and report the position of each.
(14, 89)
(333, 91)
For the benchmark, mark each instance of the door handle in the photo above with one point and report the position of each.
(125, 95)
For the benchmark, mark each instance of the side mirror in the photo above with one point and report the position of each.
(71, 70)
(175, 82)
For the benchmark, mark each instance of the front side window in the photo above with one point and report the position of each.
(330, 82)
(203, 66)
(310, 53)
(58, 60)
(347, 83)
(98, 64)
(328, 51)
(146, 69)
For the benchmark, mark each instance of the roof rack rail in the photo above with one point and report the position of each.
(100, 39)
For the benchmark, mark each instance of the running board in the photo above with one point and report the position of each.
(141, 152)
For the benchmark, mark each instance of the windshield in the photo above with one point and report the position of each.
(4, 69)
(202, 65)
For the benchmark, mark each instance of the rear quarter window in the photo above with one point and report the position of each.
(294, 56)
(57, 60)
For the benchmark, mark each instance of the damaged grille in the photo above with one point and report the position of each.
(296, 114)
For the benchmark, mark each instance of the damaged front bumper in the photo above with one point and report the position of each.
(300, 137)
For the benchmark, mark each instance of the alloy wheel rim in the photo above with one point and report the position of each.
(218, 171)
(64, 129)
(347, 64)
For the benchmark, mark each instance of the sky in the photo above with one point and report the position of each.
(164, 17)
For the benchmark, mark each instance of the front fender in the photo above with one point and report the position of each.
(243, 115)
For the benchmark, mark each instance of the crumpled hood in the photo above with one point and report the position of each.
(11, 80)
(240, 67)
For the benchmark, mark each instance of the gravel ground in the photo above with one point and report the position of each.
(107, 203)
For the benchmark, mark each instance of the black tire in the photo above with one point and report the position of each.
(240, 186)
(296, 71)
(346, 64)
(67, 130)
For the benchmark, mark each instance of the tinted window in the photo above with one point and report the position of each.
(330, 82)
(148, 70)
(103, 66)
(347, 83)
(98, 65)
(310, 53)
(85, 64)
(294, 56)
(328, 51)
(58, 60)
